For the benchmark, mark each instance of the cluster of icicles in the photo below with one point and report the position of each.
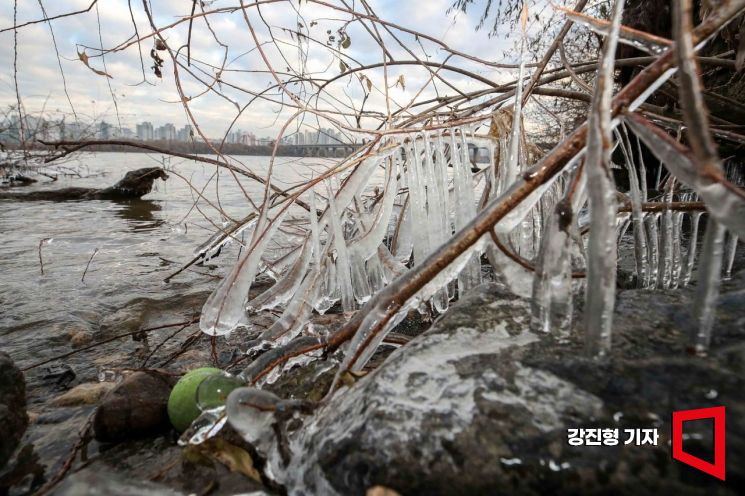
(665, 253)
(400, 204)
(358, 238)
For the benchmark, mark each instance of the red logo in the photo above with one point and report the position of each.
(716, 469)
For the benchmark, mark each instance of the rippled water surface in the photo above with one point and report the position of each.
(139, 243)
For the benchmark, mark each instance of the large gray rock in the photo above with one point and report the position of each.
(480, 405)
(13, 418)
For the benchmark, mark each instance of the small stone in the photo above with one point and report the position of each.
(136, 407)
(80, 338)
(381, 491)
(88, 393)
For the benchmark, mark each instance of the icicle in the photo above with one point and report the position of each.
(731, 251)
(664, 276)
(653, 237)
(517, 278)
(369, 334)
(551, 304)
(707, 291)
(392, 268)
(328, 293)
(642, 169)
(601, 275)
(677, 255)
(439, 179)
(206, 426)
(360, 282)
(692, 248)
(367, 244)
(224, 309)
(513, 154)
(281, 292)
(516, 216)
(465, 210)
(315, 233)
(343, 272)
(375, 273)
(638, 193)
(296, 314)
(417, 200)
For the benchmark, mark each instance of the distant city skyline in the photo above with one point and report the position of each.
(48, 130)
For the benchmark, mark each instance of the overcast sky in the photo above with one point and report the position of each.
(41, 85)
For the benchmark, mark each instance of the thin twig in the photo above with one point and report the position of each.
(99, 343)
(82, 279)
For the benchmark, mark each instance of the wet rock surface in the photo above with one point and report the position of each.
(480, 405)
(88, 393)
(94, 482)
(13, 418)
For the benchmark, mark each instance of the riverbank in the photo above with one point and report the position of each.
(474, 403)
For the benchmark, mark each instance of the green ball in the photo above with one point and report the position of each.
(182, 404)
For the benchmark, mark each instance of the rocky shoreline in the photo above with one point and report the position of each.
(477, 403)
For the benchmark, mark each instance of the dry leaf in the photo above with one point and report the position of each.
(233, 457)
(401, 82)
(84, 59)
(366, 80)
(346, 42)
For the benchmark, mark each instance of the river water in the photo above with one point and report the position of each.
(138, 244)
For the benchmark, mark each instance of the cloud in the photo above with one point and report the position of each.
(245, 80)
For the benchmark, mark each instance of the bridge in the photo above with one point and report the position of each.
(335, 150)
(478, 155)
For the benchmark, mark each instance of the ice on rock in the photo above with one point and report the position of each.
(251, 413)
(207, 425)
